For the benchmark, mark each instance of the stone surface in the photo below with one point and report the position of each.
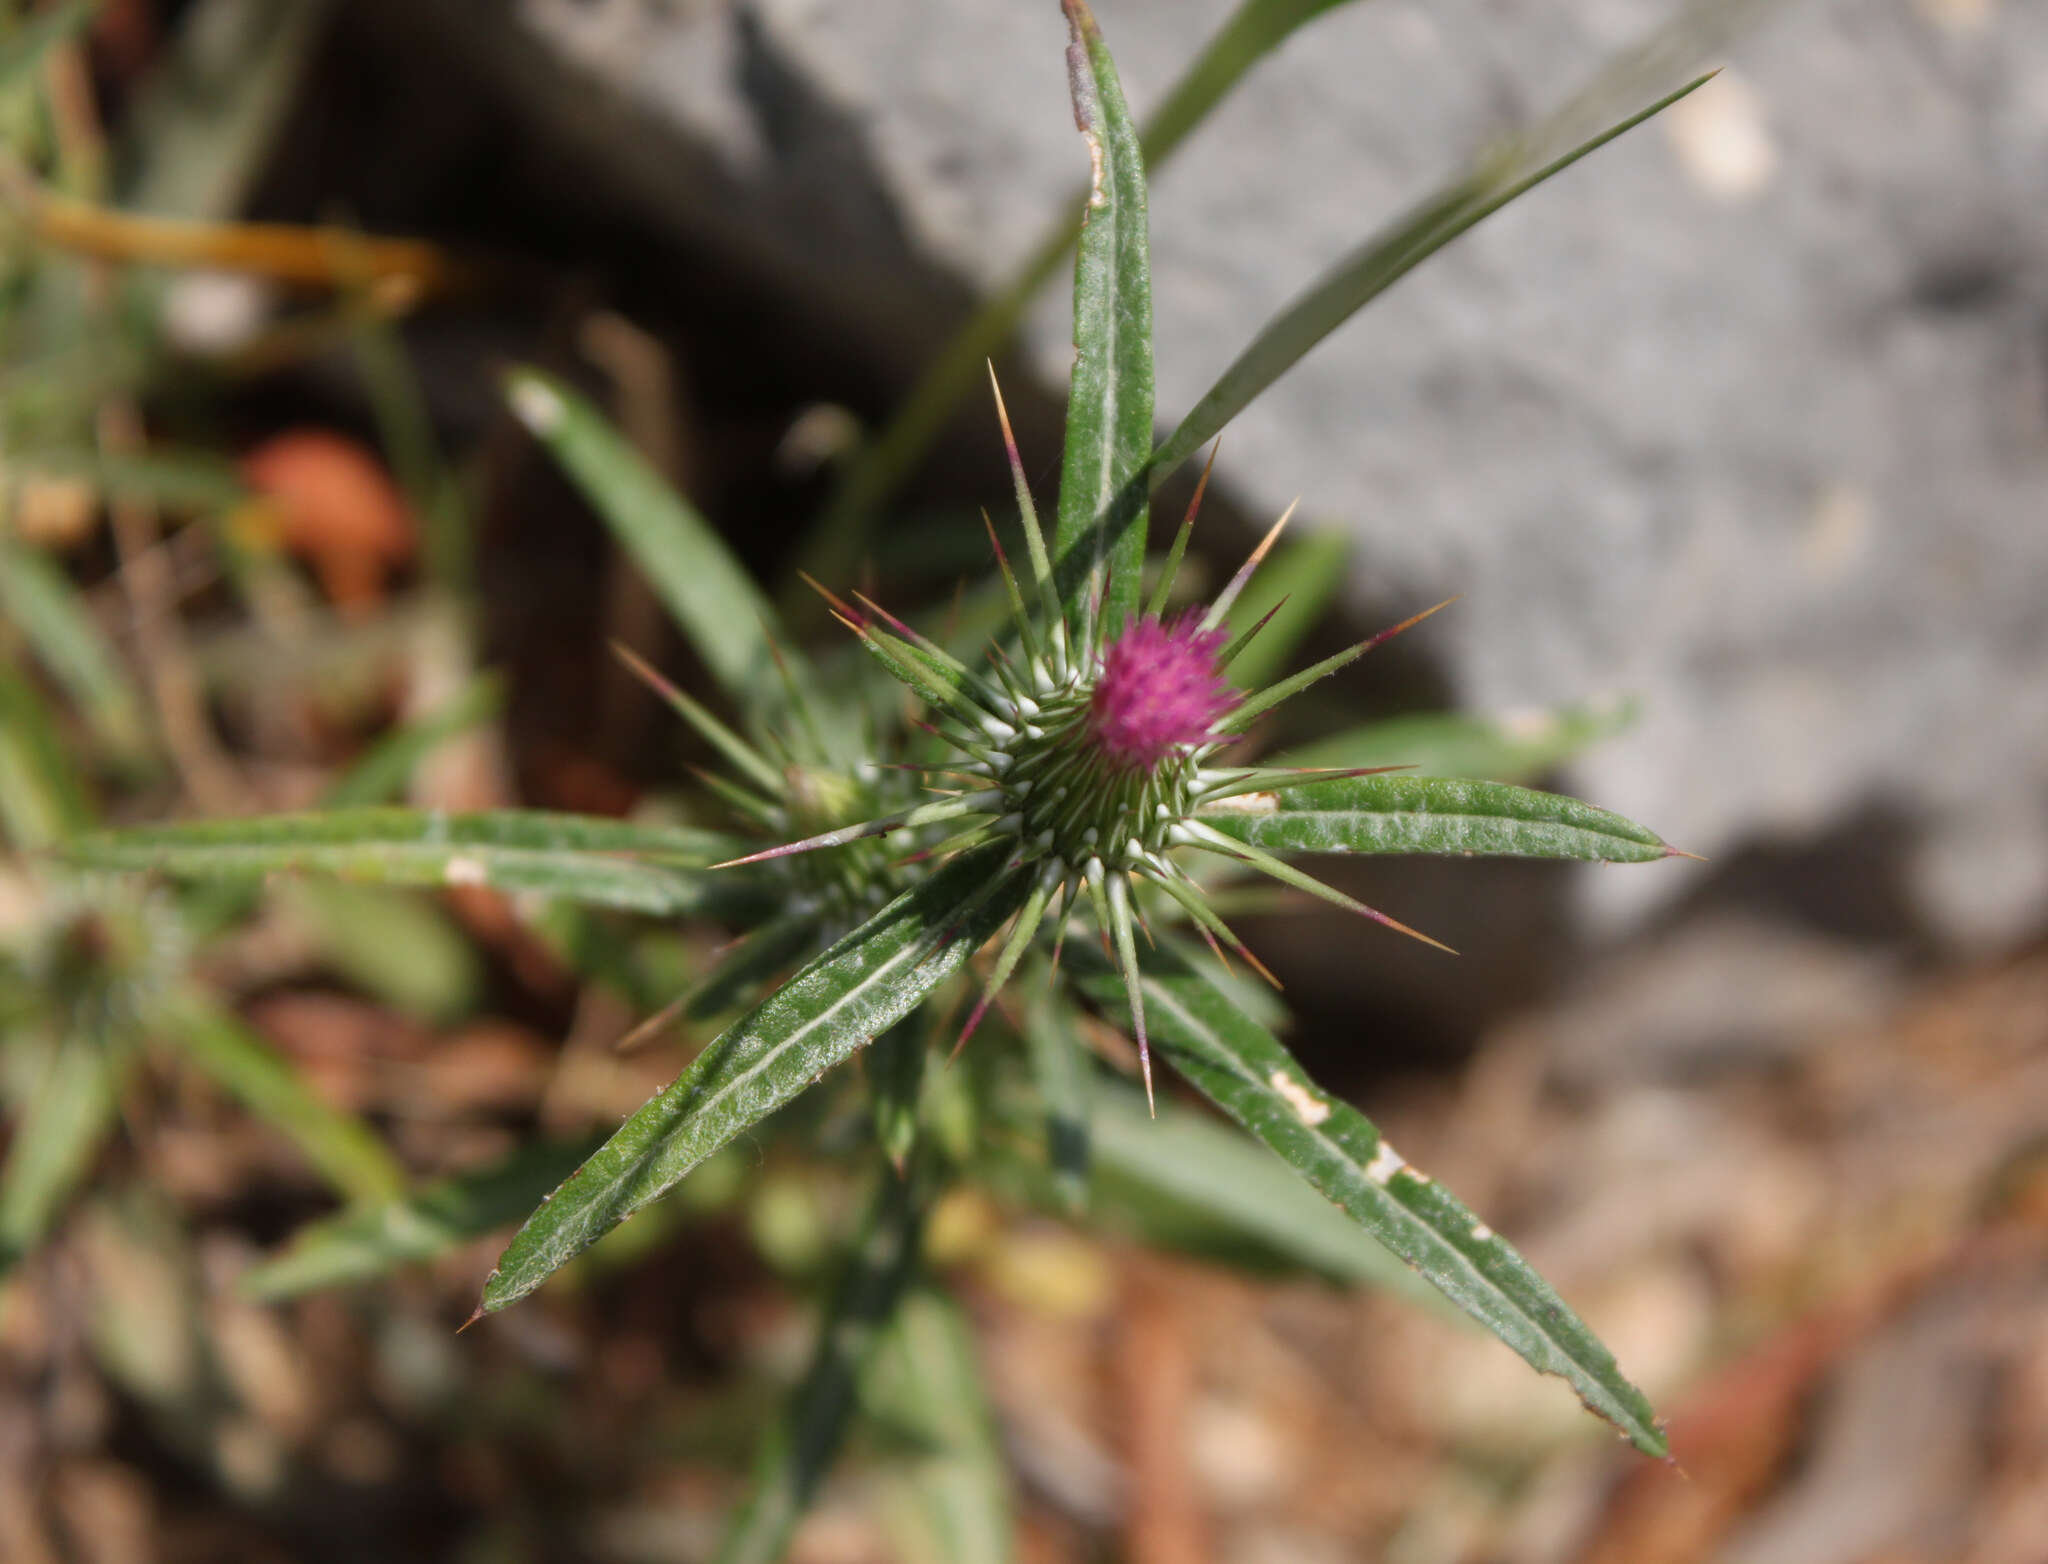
(1747, 413)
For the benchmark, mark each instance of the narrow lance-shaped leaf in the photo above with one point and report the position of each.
(382, 773)
(1246, 1072)
(895, 1070)
(1066, 1088)
(1099, 544)
(57, 1131)
(845, 997)
(368, 1242)
(836, 544)
(42, 797)
(1442, 815)
(951, 1496)
(1508, 747)
(36, 596)
(345, 1150)
(710, 595)
(1237, 1192)
(1295, 586)
(801, 1444)
(1657, 69)
(613, 863)
(25, 45)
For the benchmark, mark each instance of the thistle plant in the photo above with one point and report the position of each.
(1085, 755)
(1058, 802)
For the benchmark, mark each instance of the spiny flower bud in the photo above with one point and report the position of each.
(1159, 693)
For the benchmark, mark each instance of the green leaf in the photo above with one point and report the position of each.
(391, 944)
(1099, 545)
(1235, 1185)
(1297, 583)
(845, 532)
(345, 1151)
(709, 594)
(1440, 815)
(369, 1242)
(42, 798)
(1498, 176)
(951, 1498)
(55, 1135)
(895, 1070)
(35, 594)
(198, 134)
(1516, 748)
(382, 772)
(1066, 1088)
(26, 44)
(611, 863)
(1246, 1072)
(846, 996)
(803, 1441)
(174, 479)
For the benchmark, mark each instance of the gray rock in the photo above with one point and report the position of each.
(1747, 413)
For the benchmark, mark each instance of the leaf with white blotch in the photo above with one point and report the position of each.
(1099, 546)
(844, 998)
(1251, 1076)
(1232, 1193)
(1450, 816)
(611, 863)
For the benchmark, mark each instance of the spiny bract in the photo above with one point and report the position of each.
(1089, 750)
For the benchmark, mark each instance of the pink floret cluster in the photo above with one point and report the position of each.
(1160, 691)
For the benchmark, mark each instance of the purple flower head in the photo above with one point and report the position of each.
(1160, 691)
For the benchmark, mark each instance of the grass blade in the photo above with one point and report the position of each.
(841, 536)
(846, 996)
(1296, 585)
(1099, 544)
(1442, 815)
(895, 1067)
(27, 43)
(42, 797)
(612, 863)
(1496, 177)
(57, 1131)
(1246, 1072)
(1509, 748)
(46, 607)
(712, 599)
(924, 1387)
(345, 1151)
(382, 772)
(1066, 1089)
(370, 1242)
(801, 1444)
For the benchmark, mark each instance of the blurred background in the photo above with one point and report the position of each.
(1734, 437)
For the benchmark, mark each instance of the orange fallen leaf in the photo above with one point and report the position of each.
(336, 507)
